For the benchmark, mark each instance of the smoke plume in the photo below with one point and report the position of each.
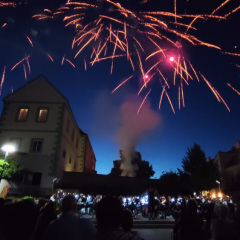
(133, 128)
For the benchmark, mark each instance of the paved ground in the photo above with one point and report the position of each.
(155, 234)
(158, 229)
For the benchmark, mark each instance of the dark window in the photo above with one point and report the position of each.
(70, 160)
(75, 165)
(36, 180)
(37, 145)
(42, 115)
(64, 153)
(22, 114)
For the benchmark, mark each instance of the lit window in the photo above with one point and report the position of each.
(42, 115)
(37, 145)
(22, 114)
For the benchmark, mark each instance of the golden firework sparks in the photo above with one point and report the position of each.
(234, 89)
(179, 97)
(215, 92)
(194, 71)
(70, 62)
(7, 4)
(63, 59)
(84, 46)
(211, 87)
(170, 102)
(223, 100)
(47, 10)
(50, 57)
(23, 59)
(3, 78)
(24, 70)
(233, 11)
(144, 38)
(121, 84)
(183, 101)
(28, 64)
(85, 65)
(220, 6)
(29, 40)
(147, 79)
(232, 54)
(165, 80)
(143, 101)
(161, 97)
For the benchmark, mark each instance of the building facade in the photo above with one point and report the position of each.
(39, 121)
(229, 167)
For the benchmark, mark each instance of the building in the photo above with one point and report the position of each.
(39, 121)
(229, 167)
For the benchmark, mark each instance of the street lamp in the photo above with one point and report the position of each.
(218, 184)
(7, 148)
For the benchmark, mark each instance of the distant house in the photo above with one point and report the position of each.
(38, 119)
(229, 167)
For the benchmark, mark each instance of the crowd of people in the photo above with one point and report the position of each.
(61, 217)
(26, 220)
(212, 219)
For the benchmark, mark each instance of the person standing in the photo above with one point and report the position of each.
(109, 213)
(68, 225)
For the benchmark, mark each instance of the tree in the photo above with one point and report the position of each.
(169, 183)
(116, 171)
(174, 183)
(202, 174)
(9, 168)
(143, 168)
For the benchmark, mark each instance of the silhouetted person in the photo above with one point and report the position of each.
(222, 227)
(109, 216)
(47, 215)
(69, 226)
(18, 219)
(151, 212)
(208, 214)
(127, 220)
(183, 204)
(190, 225)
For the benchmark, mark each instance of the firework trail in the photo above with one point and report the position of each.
(3, 78)
(234, 89)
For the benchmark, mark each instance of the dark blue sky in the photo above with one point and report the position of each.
(162, 137)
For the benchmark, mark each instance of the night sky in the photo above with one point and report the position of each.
(111, 120)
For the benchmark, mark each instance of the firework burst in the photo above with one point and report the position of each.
(152, 42)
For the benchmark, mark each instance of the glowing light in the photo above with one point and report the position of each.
(8, 148)
(146, 77)
(220, 195)
(171, 59)
(213, 195)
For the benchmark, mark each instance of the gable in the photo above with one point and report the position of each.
(38, 90)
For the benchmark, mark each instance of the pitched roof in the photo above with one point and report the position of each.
(37, 90)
